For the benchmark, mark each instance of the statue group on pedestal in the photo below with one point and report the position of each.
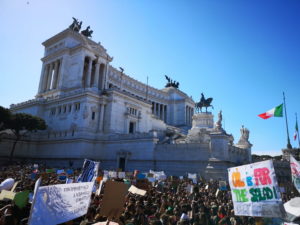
(76, 26)
(171, 83)
(203, 103)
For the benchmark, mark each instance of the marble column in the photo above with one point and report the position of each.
(49, 77)
(55, 75)
(89, 73)
(186, 115)
(163, 112)
(42, 79)
(159, 110)
(166, 114)
(45, 78)
(103, 76)
(154, 109)
(102, 117)
(190, 115)
(96, 76)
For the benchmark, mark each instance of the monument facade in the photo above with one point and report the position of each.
(96, 111)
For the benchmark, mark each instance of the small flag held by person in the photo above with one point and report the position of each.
(276, 112)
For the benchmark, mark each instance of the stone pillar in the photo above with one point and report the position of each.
(101, 122)
(190, 115)
(159, 110)
(154, 108)
(55, 76)
(163, 112)
(45, 78)
(96, 80)
(49, 77)
(42, 79)
(104, 76)
(89, 73)
(166, 114)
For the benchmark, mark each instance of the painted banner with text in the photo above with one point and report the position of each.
(255, 191)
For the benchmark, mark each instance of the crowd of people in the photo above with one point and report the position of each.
(173, 201)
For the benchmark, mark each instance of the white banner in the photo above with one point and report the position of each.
(295, 168)
(158, 175)
(57, 204)
(192, 175)
(255, 190)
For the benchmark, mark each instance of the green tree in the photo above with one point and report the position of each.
(5, 118)
(21, 124)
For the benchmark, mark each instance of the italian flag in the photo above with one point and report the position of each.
(296, 131)
(276, 112)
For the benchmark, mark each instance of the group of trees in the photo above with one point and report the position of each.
(19, 125)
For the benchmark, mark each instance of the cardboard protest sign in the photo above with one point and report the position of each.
(112, 174)
(292, 208)
(89, 171)
(7, 195)
(255, 191)
(121, 175)
(189, 188)
(113, 199)
(60, 171)
(192, 176)
(295, 168)
(134, 190)
(57, 204)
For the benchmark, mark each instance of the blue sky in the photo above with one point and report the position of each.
(244, 54)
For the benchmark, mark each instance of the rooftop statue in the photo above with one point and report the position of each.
(244, 133)
(244, 139)
(76, 25)
(219, 122)
(204, 103)
(87, 32)
(171, 83)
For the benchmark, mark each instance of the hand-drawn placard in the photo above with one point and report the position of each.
(255, 190)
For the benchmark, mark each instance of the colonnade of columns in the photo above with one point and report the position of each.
(50, 77)
(189, 112)
(93, 73)
(160, 110)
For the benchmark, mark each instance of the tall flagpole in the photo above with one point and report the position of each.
(289, 146)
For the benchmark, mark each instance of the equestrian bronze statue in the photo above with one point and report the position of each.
(203, 103)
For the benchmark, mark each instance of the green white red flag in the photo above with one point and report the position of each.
(276, 112)
(296, 131)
